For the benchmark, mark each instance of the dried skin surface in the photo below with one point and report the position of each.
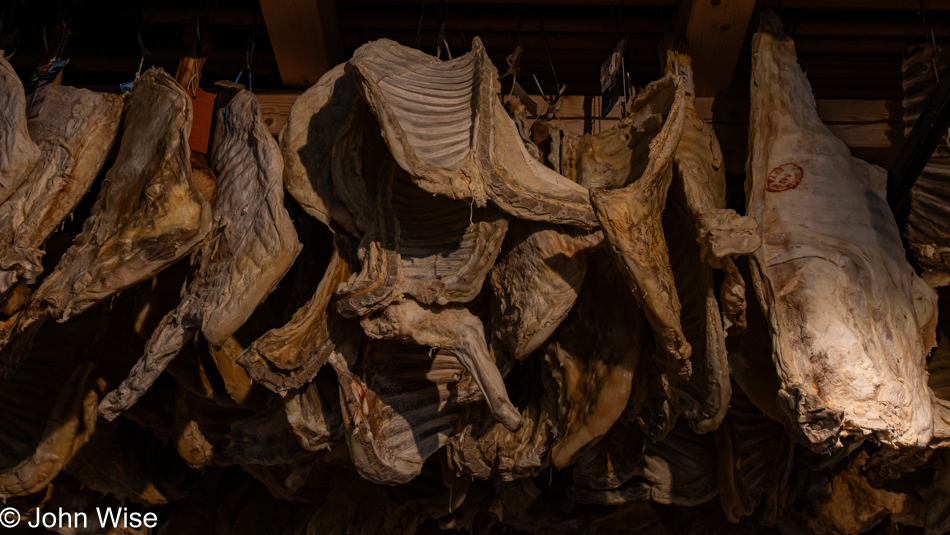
(398, 407)
(840, 298)
(358, 153)
(250, 248)
(291, 355)
(593, 361)
(148, 214)
(446, 128)
(926, 230)
(456, 330)
(630, 215)
(69, 426)
(306, 142)
(74, 131)
(536, 283)
(435, 249)
(313, 412)
(18, 153)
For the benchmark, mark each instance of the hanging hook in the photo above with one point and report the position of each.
(248, 58)
(559, 89)
(422, 14)
(144, 51)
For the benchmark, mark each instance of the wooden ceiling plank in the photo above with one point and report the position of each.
(305, 37)
(715, 31)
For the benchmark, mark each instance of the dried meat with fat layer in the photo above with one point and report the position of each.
(74, 131)
(250, 248)
(306, 142)
(851, 322)
(289, 356)
(398, 407)
(456, 330)
(629, 169)
(594, 362)
(149, 212)
(18, 153)
(536, 283)
(445, 126)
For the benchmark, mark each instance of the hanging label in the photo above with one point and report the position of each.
(44, 77)
(686, 74)
(203, 107)
(611, 79)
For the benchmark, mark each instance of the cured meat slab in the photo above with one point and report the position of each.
(74, 131)
(250, 248)
(18, 153)
(851, 323)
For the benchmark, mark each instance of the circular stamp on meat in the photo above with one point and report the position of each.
(784, 177)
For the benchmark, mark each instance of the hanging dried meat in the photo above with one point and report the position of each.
(306, 143)
(851, 323)
(926, 230)
(456, 330)
(445, 127)
(289, 356)
(435, 249)
(251, 246)
(528, 330)
(18, 153)
(593, 362)
(148, 213)
(74, 131)
(398, 407)
(629, 169)
(536, 283)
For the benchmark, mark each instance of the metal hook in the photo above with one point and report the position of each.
(144, 51)
(547, 50)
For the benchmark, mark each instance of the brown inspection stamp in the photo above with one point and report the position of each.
(784, 177)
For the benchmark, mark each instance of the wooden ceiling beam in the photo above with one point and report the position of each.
(714, 33)
(305, 36)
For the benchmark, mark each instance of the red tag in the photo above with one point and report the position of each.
(203, 105)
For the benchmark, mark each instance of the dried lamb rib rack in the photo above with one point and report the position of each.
(251, 245)
(851, 323)
(446, 128)
(429, 247)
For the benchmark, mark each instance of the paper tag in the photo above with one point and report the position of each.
(610, 79)
(686, 73)
(203, 106)
(44, 77)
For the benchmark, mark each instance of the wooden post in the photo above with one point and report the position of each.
(305, 36)
(715, 31)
